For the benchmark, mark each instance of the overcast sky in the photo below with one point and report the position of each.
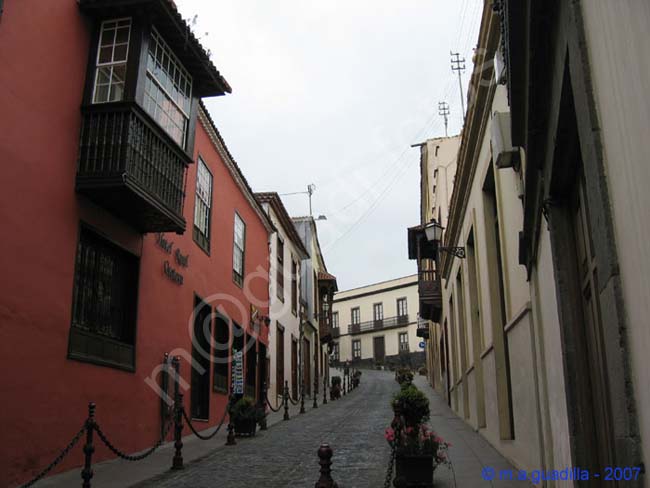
(333, 93)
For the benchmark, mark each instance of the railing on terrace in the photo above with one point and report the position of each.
(372, 325)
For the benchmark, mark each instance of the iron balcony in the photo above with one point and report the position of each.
(130, 166)
(373, 325)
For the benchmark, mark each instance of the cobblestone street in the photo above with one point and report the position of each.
(285, 455)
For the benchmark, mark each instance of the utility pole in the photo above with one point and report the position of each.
(443, 110)
(311, 188)
(456, 62)
(310, 191)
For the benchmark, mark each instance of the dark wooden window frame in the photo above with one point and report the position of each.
(136, 72)
(356, 349)
(77, 335)
(217, 383)
(294, 287)
(279, 282)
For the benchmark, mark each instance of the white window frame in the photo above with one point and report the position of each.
(358, 316)
(112, 63)
(237, 248)
(203, 195)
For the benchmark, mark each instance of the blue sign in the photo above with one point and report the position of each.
(422, 345)
(238, 373)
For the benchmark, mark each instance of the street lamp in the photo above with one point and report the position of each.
(433, 231)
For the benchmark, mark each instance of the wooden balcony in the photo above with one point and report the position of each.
(130, 166)
(430, 293)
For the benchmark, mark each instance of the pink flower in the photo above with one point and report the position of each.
(389, 435)
(409, 430)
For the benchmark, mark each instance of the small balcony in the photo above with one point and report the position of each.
(430, 293)
(128, 165)
(373, 325)
(336, 332)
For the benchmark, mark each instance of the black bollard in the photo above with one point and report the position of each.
(325, 460)
(286, 400)
(315, 404)
(324, 390)
(177, 462)
(87, 472)
(343, 385)
(302, 397)
(230, 440)
(262, 405)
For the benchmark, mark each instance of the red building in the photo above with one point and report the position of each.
(128, 231)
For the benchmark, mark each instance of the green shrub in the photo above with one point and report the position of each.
(412, 404)
(245, 409)
(404, 376)
(336, 380)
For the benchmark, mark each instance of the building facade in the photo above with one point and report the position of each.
(130, 233)
(287, 256)
(539, 329)
(317, 291)
(376, 325)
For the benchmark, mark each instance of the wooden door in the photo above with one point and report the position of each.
(200, 375)
(379, 349)
(294, 368)
(306, 366)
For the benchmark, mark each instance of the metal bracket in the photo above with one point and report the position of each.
(459, 252)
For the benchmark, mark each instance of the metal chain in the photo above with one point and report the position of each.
(294, 402)
(128, 457)
(391, 463)
(58, 459)
(200, 436)
(275, 410)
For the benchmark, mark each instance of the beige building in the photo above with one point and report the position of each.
(287, 253)
(540, 331)
(377, 324)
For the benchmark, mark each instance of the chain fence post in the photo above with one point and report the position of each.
(89, 449)
(324, 390)
(262, 405)
(286, 400)
(302, 397)
(315, 403)
(230, 440)
(344, 387)
(325, 454)
(177, 462)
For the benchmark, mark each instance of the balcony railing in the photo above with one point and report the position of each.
(130, 166)
(336, 332)
(373, 325)
(430, 293)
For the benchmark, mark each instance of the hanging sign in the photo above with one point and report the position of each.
(238, 373)
(422, 345)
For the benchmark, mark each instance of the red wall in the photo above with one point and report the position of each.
(44, 51)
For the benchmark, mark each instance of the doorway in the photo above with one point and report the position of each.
(200, 375)
(379, 349)
(306, 368)
(294, 367)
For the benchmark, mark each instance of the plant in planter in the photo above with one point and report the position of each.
(404, 376)
(356, 378)
(422, 371)
(335, 389)
(418, 450)
(245, 416)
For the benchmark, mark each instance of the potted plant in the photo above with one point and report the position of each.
(418, 450)
(422, 371)
(245, 416)
(335, 389)
(404, 376)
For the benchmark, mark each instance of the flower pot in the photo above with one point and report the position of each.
(413, 471)
(245, 427)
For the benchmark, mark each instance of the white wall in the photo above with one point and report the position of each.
(617, 41)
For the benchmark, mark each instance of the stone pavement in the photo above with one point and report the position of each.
(285, 455)
(470, 452)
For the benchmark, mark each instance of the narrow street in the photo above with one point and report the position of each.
(285, 455)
